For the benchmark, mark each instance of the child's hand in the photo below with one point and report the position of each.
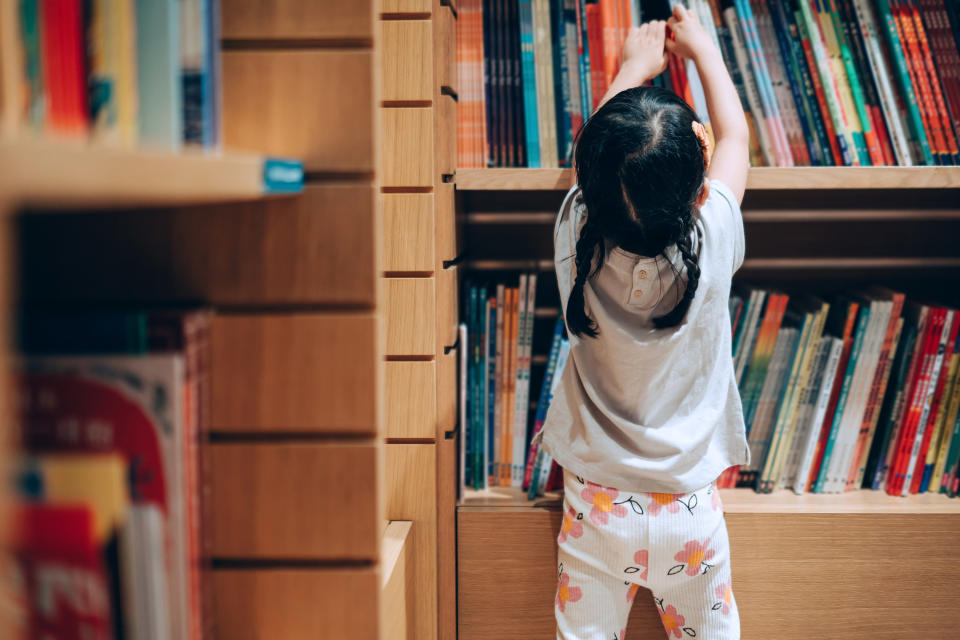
(643, 51)
(689, 38)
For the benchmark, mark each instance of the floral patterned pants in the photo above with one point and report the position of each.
(613, 542)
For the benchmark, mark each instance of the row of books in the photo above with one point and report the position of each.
(123, 72)
(823, 82)
(861, 390)
(498, 334)
(107, 514)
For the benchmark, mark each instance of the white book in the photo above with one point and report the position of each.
(750, 85)
(143, 574)
(547, 461)
(928, 399)
(805, 413)
(525, 347)
(881, 74)
(852, 420)
(812, 436)
(464, 351)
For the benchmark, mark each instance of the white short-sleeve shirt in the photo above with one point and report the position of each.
(641, 408)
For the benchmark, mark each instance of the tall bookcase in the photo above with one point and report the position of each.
(802, 564)
(294, 457)
(419, 279)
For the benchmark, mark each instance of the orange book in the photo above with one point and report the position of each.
(609, 31)
(931, 70)
(918, 77)
(509, 385)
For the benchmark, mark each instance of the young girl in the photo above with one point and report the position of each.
(646, 246)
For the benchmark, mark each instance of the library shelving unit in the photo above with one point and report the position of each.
(814, 566)
(293, 485)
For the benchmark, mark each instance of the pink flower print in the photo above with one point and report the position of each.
(566, 593)
(715, 500)
(661, 501)
(632, 592)
(694, 554)
(672, 621)
(642, 559)
(602, 501)
(725, 593)
(570, 527)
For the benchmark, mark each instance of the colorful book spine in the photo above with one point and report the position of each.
(542, 404)
(530, 112)
(897, 55)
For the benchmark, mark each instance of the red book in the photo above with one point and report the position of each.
(927, 61)
(822, 102)
(946, 55)
(912, 411)
(919, 79)
(610, 37)
(598, 77)
(947, 353)
(880, 127)
(64, 74)
(851, 322)
(63, 572)
(876, 392)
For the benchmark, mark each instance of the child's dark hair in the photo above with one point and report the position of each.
(641, 168)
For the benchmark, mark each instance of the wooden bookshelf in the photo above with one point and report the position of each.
(761, 178)
(742, 501)
(40, 173)
(817, 229)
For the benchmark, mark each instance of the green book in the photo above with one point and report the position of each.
(903, 79)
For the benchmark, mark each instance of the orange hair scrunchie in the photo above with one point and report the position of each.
(700, 131)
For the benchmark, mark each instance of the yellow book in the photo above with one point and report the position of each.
(949, 405)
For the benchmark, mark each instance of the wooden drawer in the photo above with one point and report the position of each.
(405, 6)
(445, 37)
(410, 481)
(316, 106)
(446, 135)
(411, 410)
(407, 143)
(446, 222)
(317, 247)
(296, 19)
(447, 280)
(253, 604)
(784, 565)
(407, 59)
(408, 232)
(294, 501)
(411, 316)
(299, 372)
(447, 364)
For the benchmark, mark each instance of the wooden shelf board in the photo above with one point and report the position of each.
(76, 174)
(760, 178)
(743, 501)
(752, 265)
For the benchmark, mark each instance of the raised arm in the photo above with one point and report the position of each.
(731, 158)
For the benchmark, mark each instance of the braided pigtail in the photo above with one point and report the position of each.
(692, 263)
(588, 243)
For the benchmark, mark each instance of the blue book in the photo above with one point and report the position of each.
(586, 88)
(862, 321)
(491, 384)
(529, 73)
(561, 80)
(792, 66)
(469, 434)
(158, 68)
(211, 87)
(531, 477)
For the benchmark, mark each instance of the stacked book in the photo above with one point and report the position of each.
(823, 82)
(108, 483)
(122, 73)
(496, 447)
(860, 390)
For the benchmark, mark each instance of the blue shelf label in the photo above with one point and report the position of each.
(282, 176)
